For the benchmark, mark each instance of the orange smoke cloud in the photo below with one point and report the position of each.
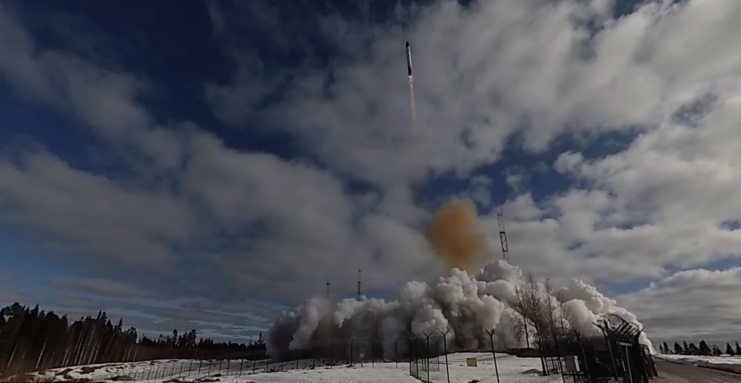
(455, 237)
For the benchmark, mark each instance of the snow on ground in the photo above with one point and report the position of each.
(511, 370)
(724, 363)
(707, 359)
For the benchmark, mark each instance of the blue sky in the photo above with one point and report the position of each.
(182, 167)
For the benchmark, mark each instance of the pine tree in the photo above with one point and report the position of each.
(693, 349)
(716, 350)
(678, 350)
(729, 349)
(704, 349)
(666, 348)
(31, 339)
(686, 348)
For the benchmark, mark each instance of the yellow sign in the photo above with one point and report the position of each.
(472, 362)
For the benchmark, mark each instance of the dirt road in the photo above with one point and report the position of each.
(686, 373)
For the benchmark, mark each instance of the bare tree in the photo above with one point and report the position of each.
(520, 327)
(530, 304)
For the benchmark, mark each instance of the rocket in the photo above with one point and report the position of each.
(409, 60)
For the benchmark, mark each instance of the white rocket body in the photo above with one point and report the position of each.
(409, 59)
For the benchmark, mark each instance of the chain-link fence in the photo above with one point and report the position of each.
(326, 354)
(425, 357)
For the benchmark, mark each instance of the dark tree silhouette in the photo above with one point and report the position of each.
(704, 349)
(34, 340)
(678, 350)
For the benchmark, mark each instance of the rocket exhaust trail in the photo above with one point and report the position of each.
(411, 87)
(412, 105)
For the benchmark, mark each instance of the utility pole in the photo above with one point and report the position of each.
(502, 234)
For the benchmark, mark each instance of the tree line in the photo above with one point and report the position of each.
(703, 349)
(31, 340)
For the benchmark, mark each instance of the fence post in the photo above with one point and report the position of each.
(409, 341)
(445, 344)
(584, 357)
(209, 368)
(228, 364)
(426, 360)
(351, 344)
(241, 366)
(412, 353)
(373, 352)
(612, 355)
(493, 353)
(157, 372)
(254, 365)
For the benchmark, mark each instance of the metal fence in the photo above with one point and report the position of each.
(424, 357)
(328, 354)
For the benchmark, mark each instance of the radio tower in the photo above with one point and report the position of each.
(359, 275)
(328, 284)
(502, 234)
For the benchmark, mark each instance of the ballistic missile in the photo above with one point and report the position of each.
(409, 60)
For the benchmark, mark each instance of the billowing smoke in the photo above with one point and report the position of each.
(463, 304)
(467, 305)
(455, 237)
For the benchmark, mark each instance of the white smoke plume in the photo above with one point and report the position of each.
(467, 305)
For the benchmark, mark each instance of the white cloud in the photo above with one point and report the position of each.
(88, 214)
(501, 68)
(98, 286)
(690, 305)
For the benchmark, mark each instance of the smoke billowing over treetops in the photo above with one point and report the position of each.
(467, 302)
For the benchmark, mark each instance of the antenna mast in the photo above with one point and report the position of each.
(502, 234)
(359, 279)
(328, 284)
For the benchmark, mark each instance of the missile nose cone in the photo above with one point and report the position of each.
(407, 44)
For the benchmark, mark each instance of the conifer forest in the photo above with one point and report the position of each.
(32, 340)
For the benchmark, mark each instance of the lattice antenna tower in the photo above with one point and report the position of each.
(360, 273)
(502, 234)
